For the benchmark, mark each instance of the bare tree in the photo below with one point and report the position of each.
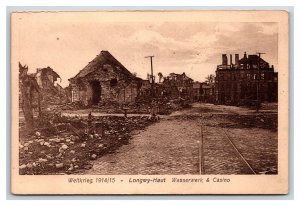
(28, 85)
(160, 76)
(210, 79)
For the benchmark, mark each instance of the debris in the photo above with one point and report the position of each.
(59, 155)
(79, 149)
(64, 147)
(50, 157)
(42, 160)
(59, 165)
(93, 156)
(29, 165)
(23, 166)
(38, 134)
(71, 167)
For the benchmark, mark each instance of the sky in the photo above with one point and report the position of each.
(67, 45)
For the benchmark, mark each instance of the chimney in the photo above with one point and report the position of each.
(230, 59)
(237, 59)
(224, 59)
(245, 55)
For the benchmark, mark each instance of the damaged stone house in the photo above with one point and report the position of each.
(52, 92)
(178, 85)
(46, 77)
(248, 79)
(104, 80)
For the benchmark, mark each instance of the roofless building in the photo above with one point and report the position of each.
(104, 80)
(247, 80)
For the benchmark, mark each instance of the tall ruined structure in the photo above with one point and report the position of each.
(248, 79)
(104, 80)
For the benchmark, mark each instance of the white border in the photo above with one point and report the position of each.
(272, 3)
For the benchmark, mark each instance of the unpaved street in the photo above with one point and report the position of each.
(170, 145)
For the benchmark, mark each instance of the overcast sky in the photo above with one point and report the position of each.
(191, 47)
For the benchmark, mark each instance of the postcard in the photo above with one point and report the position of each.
(149, 102)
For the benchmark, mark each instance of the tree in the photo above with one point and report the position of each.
(28, 85)
(160, 76)
(210, 79)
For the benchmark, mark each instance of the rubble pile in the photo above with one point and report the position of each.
(68, 152)
(262, 120)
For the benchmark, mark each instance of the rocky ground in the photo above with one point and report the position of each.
(49, 151)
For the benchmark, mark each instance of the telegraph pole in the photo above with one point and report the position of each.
(152, 77)
(258, 83)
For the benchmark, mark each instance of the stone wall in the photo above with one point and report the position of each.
(115, 87)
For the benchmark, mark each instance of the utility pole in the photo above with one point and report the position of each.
(152, 77)
(258, 83)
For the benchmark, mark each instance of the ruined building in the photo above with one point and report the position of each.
(46, 77)
(104, 80)
(247, 80)
(178, 85)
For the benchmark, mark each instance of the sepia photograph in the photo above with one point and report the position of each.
(156, 99)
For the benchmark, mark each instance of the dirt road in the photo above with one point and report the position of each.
(170, 146)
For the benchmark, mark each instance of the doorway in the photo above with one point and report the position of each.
(96, 91)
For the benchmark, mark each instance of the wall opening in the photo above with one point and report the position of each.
(113, 82)
(96, 92)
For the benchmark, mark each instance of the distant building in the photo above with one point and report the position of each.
(104, 80)
(248, 79)
(207, 92)
(178, 85)
(196, 91)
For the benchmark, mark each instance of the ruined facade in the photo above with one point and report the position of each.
(104, 80)
(46, 77)
(178, 85)
(207, 92)
(196, 91)
(248, 79)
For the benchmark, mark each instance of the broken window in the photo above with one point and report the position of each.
(113, 82)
